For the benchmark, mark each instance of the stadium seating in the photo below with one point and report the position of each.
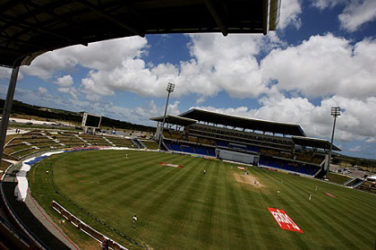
(294, 167)
(26, 144)
(192, 149)
(187, 149)
(222, 143)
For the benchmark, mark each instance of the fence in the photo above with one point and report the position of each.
(84, 227)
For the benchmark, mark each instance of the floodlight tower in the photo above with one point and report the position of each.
(335, 111)
(170, 88)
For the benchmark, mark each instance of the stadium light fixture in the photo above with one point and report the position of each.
(170, 88)
(335, 111)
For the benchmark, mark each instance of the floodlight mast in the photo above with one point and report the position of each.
(335, 111)
(170, 88)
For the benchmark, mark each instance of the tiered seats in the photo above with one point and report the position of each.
(237, 136)
(192, 149)
(95, 140)
(201, 150)
(252, 148)
(207, 141)
(173, 146)
(69, 139)
(295, 167)
(222, 143)
(211, 152)
(172, 134)
(193, 139)
(187, 149)
(121, 142)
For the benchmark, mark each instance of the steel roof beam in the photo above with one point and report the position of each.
(112, 19)
(216, 14)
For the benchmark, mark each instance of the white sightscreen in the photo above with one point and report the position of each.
(237, 156)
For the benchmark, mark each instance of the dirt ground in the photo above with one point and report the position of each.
(248, 180)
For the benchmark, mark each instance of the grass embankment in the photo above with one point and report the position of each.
(337, 178)
(185, 209)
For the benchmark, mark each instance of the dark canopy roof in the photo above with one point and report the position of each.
(30, 28)
(172, 119)
(242, 122)
(313, 142)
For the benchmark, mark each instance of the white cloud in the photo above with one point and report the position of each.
(319, 67)
(64, 81)
(173, 109)
(323, 4)
(323, 66)
(5, 73)
(217, 62)
(69, 90)
(104, 55)
(371, 140)
(201, 99)
(42, 90)
(357, 13)
(289, 14)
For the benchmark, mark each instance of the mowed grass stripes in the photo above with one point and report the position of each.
(186, 209)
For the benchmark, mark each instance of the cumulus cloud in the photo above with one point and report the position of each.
(355, 13)
(5, 73)
(289, 14)
(324, 66)
(217, 62)
(358, 13)
(99, 56)
(64, 81)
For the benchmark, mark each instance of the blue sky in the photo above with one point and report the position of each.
(322, 55)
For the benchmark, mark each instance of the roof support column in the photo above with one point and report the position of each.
(7, 108)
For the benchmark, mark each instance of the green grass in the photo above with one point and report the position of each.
(337, 178)
(184, 209)
(150, 144)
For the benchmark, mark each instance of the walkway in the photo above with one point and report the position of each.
(34, 217)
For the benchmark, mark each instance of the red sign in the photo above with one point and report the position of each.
(284, 221)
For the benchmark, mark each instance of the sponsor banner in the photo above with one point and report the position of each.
(284, 221)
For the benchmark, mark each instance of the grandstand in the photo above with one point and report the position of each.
(264, 143)
(23, 145)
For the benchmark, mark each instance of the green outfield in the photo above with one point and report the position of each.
(182, 208)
